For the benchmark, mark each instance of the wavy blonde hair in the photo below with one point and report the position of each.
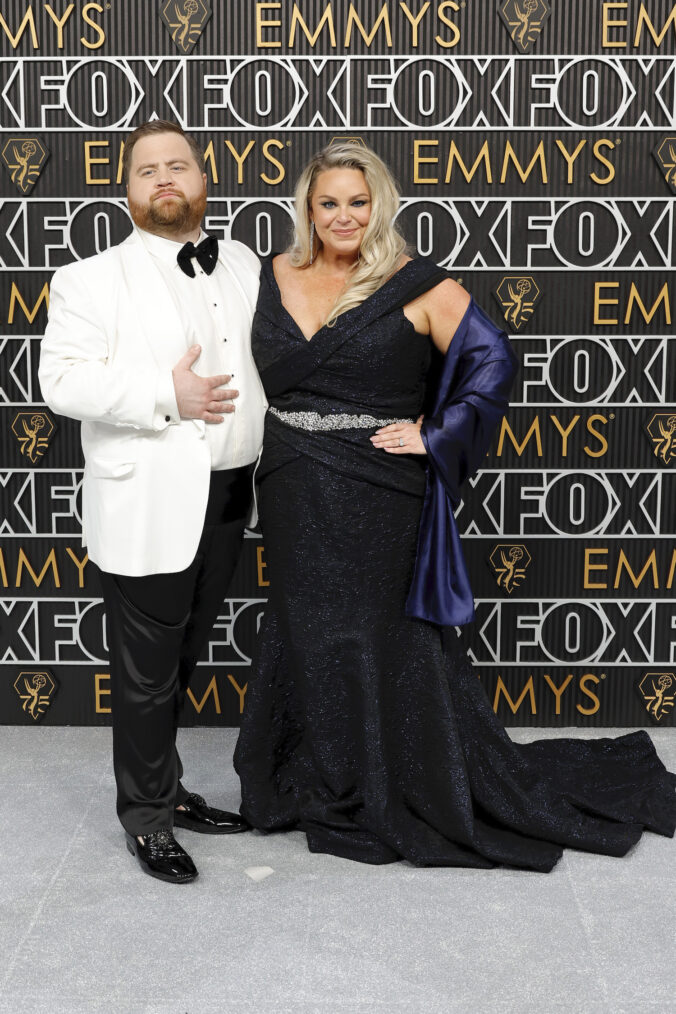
(382, 245)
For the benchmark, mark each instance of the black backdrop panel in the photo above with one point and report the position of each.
(535, 148)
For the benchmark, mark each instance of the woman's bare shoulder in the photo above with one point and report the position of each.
(280, 262)
(450, 295)
(446, 305)
(284, 271)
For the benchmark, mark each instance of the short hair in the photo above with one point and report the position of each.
(157, 127)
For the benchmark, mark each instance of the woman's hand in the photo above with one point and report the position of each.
(400, 438)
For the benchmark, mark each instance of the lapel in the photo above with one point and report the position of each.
(291, 369)
(151, 303)
(227, 256)
(153, 308)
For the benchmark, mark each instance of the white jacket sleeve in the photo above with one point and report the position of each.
(79, 378)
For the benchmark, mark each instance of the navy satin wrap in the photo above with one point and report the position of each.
(472, 397)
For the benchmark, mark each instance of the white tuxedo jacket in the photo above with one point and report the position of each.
(112, 330)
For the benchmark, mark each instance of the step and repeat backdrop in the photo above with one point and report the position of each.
(534, 142)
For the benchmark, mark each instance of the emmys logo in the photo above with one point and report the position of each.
(517, 296)
(662, 432)
(510, 563)
(665, 155)
(185, 20)
(24, 159)
(524, 20)
(35, 690)
(347, 140)
(658, 690)
(33, 430)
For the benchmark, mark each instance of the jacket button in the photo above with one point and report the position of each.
(167, 418)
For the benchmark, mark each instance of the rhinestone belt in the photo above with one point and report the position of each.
(338, 421)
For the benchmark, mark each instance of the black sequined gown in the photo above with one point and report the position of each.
(369, 730)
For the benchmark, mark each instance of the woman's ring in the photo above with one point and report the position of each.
(401, 441)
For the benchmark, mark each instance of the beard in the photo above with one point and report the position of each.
(169, 217)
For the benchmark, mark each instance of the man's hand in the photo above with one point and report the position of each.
(200, 397)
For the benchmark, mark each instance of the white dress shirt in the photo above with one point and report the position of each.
(211, 313)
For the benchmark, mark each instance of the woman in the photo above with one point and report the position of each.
(365, 724)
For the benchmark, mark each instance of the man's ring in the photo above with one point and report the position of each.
(401, 441)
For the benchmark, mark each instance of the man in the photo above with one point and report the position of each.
(145, 344)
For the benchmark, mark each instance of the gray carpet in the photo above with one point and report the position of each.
(84, 931)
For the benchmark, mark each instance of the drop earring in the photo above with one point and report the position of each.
(312, 242)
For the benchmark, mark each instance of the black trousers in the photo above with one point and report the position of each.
(157, 627)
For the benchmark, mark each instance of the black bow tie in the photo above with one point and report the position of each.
(206, 253)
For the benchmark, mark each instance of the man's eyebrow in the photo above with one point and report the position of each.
(154, 165)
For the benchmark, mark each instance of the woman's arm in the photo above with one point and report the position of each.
(473, 396)
(437, 313)
(445, 306)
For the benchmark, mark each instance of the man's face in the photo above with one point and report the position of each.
(166, 192)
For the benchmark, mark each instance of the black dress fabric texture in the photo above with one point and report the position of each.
(365, 728)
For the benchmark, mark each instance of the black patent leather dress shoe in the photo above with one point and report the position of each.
(161, 856)
(197, 816)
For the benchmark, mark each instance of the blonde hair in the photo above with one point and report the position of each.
(382, 245)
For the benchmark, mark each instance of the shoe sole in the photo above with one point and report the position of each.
(209, 830)
(162, 876)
